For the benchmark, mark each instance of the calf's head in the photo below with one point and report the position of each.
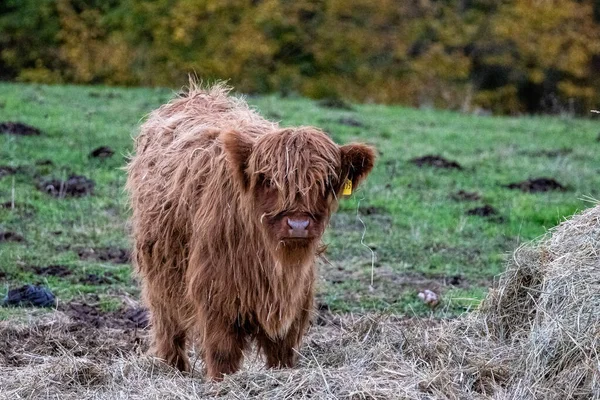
(291, 180)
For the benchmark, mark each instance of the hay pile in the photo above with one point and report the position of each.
(547, 306)
(536, 336)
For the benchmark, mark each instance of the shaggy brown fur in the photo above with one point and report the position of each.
(228, 212)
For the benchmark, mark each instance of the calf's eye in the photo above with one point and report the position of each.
(268, 183)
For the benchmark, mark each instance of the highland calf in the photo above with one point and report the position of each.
(228, 213)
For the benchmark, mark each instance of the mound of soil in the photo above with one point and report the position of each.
(30, 295)
(52, 270)
(335, 103)
(102, 152)
(349, 121)
(113, 255)
(8, 236)
(18, 128)
(455, 280)
(95, 279)
(5, 170)
(139, 316)
(463, 195)
(8, 204)
(91, 314)
(537, 185)
(75, 186)
(436, 161)
(44, 163)
(485, 211)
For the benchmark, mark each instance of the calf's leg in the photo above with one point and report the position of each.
(282, 352)
(168, 333)
(223, 346)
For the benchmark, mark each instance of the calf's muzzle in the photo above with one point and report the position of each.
(298, 227)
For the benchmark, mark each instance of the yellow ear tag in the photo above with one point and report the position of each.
(347, 188)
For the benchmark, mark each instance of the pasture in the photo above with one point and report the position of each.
(451, 196)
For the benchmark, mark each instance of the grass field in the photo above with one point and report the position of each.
(408, 228)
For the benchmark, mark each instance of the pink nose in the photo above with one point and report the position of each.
(298, 224)
(298, 227)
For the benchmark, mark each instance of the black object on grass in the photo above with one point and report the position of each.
(102, 152)
(75, 186)
(537, 185)
(437, 161)
(18, 128)
(30, 296)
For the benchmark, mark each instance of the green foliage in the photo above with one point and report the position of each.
(508, 56)
(28, 46)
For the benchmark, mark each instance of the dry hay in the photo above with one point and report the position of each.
(547, 305)
(536, 336)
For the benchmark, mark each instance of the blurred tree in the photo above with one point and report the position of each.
(546, 50)
(509, 56)
(92, 43)
(28, 47)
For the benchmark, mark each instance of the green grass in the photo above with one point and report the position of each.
(421, 238)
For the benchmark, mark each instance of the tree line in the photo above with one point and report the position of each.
(507, 56)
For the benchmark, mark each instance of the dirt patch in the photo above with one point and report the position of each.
(96, 279)
(44, 163)
(30, 296)
(92, 315)
(435, 161)
(113, 255)
(75, 186)
(9, 205)
(45, 340)
(102, 152)
(537, 185)
(5, 170)
(463, 195)
(455, 280)
(138, 316)
(349, 121)
(18, 128)
(335, 103)
(484, 211)
(52, 270)
(8, 236)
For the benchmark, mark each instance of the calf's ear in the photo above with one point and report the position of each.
(357, 161)
(238, 148)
